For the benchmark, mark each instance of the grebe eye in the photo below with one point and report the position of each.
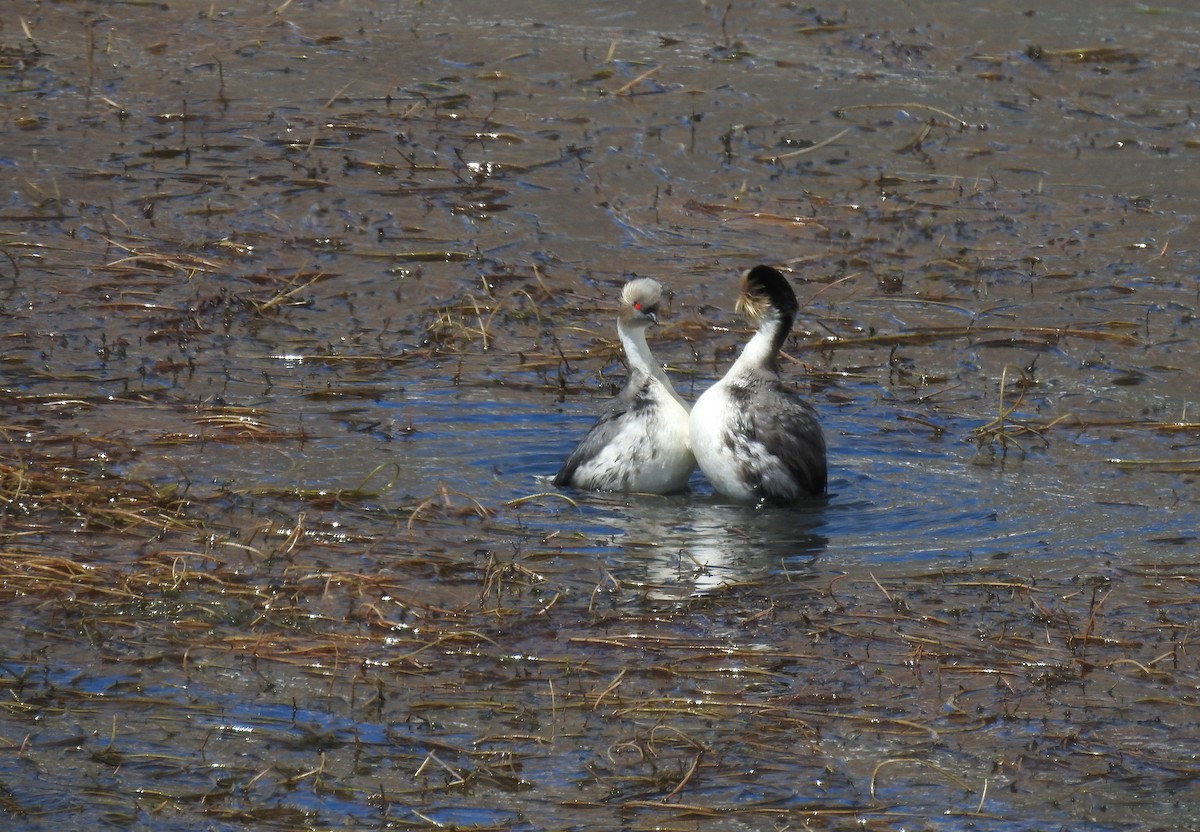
(637, 306)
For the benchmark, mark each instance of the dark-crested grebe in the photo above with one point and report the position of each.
(642, 443)
(755, 440)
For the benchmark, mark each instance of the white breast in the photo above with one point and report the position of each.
(646, 449)
(713, 418)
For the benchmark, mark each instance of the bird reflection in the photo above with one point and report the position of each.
(680, 547)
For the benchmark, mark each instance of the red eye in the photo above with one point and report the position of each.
(638, 307)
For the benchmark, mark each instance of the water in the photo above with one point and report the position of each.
(331, 289)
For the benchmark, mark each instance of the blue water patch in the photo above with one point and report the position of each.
(895, 497)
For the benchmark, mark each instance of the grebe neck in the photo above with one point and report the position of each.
(761, 353)
(637, 351)
(641, 360)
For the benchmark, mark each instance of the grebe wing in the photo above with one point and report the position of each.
(608, 427)
(793, 435)
(777, 443)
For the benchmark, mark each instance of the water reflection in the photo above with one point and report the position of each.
(696, 544)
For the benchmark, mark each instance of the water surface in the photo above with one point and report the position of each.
(305, 303)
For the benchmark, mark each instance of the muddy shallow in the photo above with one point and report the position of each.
(304, 302)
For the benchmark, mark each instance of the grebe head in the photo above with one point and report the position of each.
(764, 290)
(641, 300)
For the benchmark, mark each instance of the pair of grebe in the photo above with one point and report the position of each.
(754, 440)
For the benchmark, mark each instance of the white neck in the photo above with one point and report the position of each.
(637, 353)
(760, 351)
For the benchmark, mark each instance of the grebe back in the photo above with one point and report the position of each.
(642, 443)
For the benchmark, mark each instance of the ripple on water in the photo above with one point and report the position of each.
(896, 499)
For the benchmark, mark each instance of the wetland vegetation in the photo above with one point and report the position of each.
(304, 302)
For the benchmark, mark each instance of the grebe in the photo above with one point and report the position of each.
(642, 443)
(754, 439)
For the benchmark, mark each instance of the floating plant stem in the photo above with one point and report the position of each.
(627, 87)
(953, 778)
(907, 106)
(779, 157)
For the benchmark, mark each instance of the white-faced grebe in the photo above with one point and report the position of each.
(755, 440)
(642, 443)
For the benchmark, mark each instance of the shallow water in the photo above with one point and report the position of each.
(342, 277)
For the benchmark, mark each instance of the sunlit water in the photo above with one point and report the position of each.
(898, 497)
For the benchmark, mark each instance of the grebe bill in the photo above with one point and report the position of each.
(755, 440)
(642, 442)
